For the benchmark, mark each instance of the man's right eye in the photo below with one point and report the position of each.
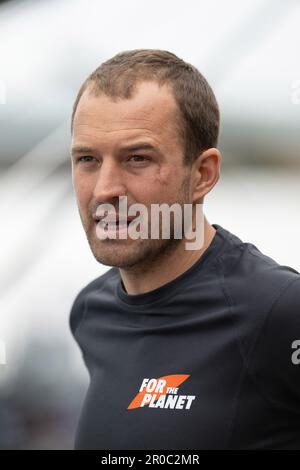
(85, 159)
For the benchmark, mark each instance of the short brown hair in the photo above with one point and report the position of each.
(199, 117)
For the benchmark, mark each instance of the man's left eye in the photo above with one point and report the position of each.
(139, 158)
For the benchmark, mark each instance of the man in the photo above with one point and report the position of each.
(186, 349)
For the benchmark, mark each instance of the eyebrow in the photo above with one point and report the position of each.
(132, 148)
(140, 146)
(81, 149)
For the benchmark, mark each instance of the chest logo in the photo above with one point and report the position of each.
(162, 393)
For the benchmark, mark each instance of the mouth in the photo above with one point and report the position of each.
(112, 224)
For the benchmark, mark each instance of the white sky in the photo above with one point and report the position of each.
(249, 51)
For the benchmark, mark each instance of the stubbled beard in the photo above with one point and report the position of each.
(141, 253)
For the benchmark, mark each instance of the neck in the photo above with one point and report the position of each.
(160, 273)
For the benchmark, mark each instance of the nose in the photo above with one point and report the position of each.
(110, 182)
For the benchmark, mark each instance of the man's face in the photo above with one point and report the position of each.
(110, 169)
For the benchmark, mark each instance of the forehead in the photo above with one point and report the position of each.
(151, 111)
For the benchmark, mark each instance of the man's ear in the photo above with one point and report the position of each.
(206, 173)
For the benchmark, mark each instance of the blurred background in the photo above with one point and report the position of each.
(248, 51)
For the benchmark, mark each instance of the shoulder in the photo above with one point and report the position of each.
(78, 306)
(257, 288)
(252, 278)
(264, 298)
(274, 359)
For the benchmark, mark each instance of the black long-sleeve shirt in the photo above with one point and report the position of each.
(206, 361)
